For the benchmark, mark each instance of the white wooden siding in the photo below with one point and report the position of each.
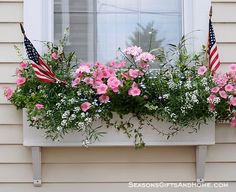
(106, 169)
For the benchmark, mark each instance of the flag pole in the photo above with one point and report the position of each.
(22, 29)
(210, 12)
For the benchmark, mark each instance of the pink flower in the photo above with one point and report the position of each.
(221, 79)
(232, 67)
(146, 57)
(8, 92)
(211, 98)
(233, 122)
(54, 56)
(134, 73)
(144, 65)
(18, 73)
(125, 75)
(76, 82)
(102, 89)
(202, 70)
(113, 83)
(223, 94)
(85, 106)
(23, 65)
(88, 80)
(103, 98)
(212, 106)
(134, 91)
(133, 51)
(215, 89)
(39, 106)
(21, 80)
(229, 87)
(233, 101)
(118, 65)
(84, 68)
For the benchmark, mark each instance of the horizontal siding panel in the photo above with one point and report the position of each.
(227, 52)
(98, 187)
(224, 12)
(11, 12)
(223, 1)
(100, 172)
(135, 172)
(9, 115)
(15, 154)
(225, 32)
(220, 172)
(8, 53)
(8, 73)
(152, 172)
(118, 154)
(10, 32)
(11, 134)
(225, 134)
(221, 153)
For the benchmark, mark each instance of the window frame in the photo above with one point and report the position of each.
(39, 23)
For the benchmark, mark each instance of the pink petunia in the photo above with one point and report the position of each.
(133, 51)
(113, 83)
(55, 56)
(202, 70)
(21, 80)
(23, 65)
(104, 98)
(18, 72)
(76, 82)
(215, 89)
(229, 87)
(134, 90)
(233, 101)
(8, 92)
(232, 67)
(233, 122)
(39, 106)
(125, 75)
(211, 98)
(146, 57)
(212, 106)
(84, 68)
(85, 106)
(133, 73)
(223, 94)
(102, 89)
(144, 65)
(88, 80)
(118, 65)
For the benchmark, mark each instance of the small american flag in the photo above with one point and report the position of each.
(214, 60)
(41, 69)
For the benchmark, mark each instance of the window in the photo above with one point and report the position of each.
(99, 27)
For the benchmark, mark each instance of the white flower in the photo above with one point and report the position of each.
(166, 96)
(188, 84)
(83, 115)
(64, 123)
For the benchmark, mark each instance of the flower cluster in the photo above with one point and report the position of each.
(92, 92)
(223, 95)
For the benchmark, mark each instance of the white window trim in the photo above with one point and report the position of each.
(38, 22)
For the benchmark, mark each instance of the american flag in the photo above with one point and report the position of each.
(41, 69)
(214, 60)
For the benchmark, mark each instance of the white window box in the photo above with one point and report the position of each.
(204, 136)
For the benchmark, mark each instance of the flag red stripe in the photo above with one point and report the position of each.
(212, 62)
(43, 64)
(212, 52)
